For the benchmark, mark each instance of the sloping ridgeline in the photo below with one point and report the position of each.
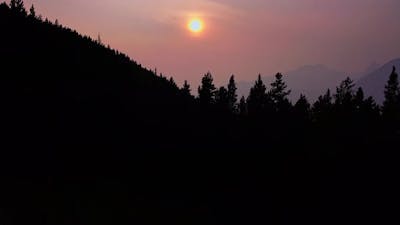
(91, 137)
(58, 79)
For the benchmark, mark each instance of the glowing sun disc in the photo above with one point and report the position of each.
(195, 25)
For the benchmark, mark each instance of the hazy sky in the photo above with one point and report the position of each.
(244, 37)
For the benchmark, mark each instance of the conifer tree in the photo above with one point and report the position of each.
(302, 108)
(99, 41)
(322, 108)
(279, 94)
(32, 11)
(366, 108)
(3, 6)
(391, 105)
(242, 106)
(172, 82)
(13, 4)
(256, 102)
(392, 93)
(222, 98)
(370, 107)
(366, 112)
(18, 6)
(344, 94)
(359, 99)
(207, 90)
(185, 90)
(232, 96)
(278, 91)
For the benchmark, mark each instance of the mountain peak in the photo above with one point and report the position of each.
(374, 82)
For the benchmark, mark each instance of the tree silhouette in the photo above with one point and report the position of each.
(18, 6)
(359, 96)
(366, 113)
(370, 108)
(391, 105)
(302, 109)
(32, 11)
(322, 108)
(278, 91)
(185, 90)
(172, 82)
(222, 98)
(242, 106)
(207, 90)
(358, 100)
(344, 96)
(232, 96)
(256, 102)
(3, 7)
(99, 41)
(279, 94)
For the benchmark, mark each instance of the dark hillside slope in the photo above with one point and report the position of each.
(87, 136)
(69, 79)
(90, 137)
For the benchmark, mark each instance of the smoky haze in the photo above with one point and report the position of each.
(242, 37)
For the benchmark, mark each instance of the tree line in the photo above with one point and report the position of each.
(348, 101)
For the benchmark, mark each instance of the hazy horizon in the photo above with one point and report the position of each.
(240, 37)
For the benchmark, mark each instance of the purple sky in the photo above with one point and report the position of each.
(244, 37)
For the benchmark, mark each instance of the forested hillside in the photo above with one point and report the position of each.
(91, 137)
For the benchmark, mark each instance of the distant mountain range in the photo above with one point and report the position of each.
(311, 80)
(374, 83)
(314, 80)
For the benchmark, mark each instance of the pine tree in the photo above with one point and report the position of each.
(370, 107)
(172, 82)
(232, 96)
(392, 93)
(18, 6)
(302, 108)
(222, 98)
(256, 102)
(13, 4)
(322, 108)
(278, 91)
(242, 106)
(391, 105)
(344, 94)
(207, 90)
(32, 11)
(359, 99)
(185, 90)
(279, 94)
(366, 112)
(99, 41)
(155, 69)
(3, 6)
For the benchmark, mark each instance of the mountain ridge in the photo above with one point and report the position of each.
(310, 80)
(374, 83)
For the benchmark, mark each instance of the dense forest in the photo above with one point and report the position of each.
(89, 136)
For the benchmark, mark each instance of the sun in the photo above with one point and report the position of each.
(195, 25)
